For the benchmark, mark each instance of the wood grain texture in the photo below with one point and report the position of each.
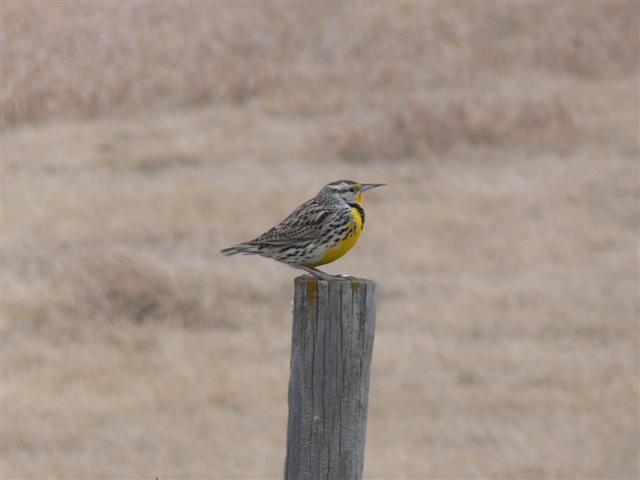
(332, 343)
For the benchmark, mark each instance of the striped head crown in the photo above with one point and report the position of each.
(348, 190)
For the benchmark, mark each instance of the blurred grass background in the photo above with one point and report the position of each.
(139, 138)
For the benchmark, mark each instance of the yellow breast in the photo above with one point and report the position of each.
(338, 250)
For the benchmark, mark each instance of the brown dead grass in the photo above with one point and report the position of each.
(80, 59)
(505, 244)
(423, 129)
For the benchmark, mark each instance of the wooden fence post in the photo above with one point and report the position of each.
(332, 342)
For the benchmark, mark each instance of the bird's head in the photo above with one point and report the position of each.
(348, 190)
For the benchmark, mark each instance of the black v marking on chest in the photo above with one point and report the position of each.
(360, 210)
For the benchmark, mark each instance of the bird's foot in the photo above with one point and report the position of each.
(322, 276)
(343, 276)
(315, 273)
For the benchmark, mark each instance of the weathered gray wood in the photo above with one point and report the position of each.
(332, 343)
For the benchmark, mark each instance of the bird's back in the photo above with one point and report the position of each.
(317, 232)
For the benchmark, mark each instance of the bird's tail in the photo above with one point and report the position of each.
(243, 248)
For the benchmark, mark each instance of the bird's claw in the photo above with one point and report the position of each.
(344, 277)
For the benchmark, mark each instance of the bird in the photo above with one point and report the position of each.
(318, 232)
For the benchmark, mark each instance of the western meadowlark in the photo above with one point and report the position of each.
(319, 231)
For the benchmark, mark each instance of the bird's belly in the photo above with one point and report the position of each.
(333, 251)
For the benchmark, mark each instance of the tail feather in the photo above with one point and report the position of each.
(243, 248)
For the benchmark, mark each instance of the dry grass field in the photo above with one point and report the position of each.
(138, 139)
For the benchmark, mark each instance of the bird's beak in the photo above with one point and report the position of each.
(369, 186)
